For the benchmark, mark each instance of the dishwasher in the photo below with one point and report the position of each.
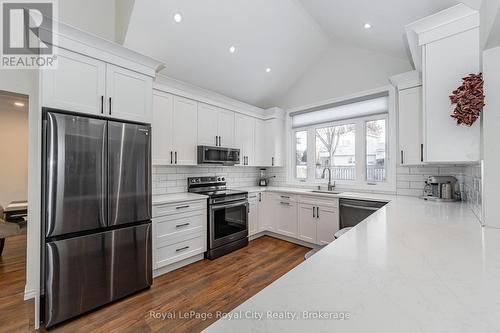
(353, 211)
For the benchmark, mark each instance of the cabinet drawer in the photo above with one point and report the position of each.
(285, 197)
(179, 226)
(169, 254)
(179, 207)
(319, 201)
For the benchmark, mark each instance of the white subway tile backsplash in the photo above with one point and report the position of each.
(172, 179)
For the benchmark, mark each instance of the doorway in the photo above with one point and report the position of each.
(14, 136)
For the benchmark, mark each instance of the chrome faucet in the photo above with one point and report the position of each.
(330, 185)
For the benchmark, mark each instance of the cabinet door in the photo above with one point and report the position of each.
(273, 154)
(328, 224)
(163, 108)
(410, 126)
(261, 146)
(129, 94)
(253, 217)
(286, 218)
(244, 127)
(446, 61)
(266, 213)
(185, 134)
(225, 128)
(207, 124)
(78, 84)
(307, 223)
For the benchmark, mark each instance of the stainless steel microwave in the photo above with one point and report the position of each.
(218, 155)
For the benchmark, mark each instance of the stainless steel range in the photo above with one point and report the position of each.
(227, 215)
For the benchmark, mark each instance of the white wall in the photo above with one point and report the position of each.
(340, 71)
(123, 11)
(94, 16)
(14, 148)
(491, 137)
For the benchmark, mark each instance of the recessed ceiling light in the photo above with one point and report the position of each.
(18, 104)
(178, 17)
(268, 69)
(232, 49)
(367, 26)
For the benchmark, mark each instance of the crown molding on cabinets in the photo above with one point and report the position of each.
(446, 23)
(73, 39)
(184, 89)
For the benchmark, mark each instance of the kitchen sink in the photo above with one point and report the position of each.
(326, 192)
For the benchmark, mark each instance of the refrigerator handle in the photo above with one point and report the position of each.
(104, 178)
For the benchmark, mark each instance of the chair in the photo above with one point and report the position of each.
(8, 229)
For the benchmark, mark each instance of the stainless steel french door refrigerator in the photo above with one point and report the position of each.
(96, 213)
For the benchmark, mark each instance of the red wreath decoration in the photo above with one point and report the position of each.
(468, 100)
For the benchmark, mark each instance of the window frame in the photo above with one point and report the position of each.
(361, 182)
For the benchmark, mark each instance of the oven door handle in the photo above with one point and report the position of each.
(228, 205)
(359, 207)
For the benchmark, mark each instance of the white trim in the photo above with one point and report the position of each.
(388, 186)
(180, 88)
(172, 267)
(339, 99)
(29, 293)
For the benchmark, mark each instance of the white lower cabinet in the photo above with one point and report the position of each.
(266, 212)
(285, 216)
(179, 233)
(318, 220)
(253, 213)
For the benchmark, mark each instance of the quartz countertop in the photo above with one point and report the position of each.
(176, 197)
(412, 266)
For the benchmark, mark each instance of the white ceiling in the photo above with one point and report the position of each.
(266, 33)
(285, 35)
(343, 20)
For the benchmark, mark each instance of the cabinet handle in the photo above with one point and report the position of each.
(182, 249)
(216, 144)
(402, 159)
(220, 140)
(171, 157)
(102, 104)
(421, 152)
(253, 196)
(285, 203)
(272, 161)
(175, 157)
(260, 197)
(182, 207)
(110, 106)
(247, 160)
(284, 197)
(314, 212)
(317, 212)
(182, 225)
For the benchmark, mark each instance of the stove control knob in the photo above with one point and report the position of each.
(198, 180)
(218, 179)
(223, 179)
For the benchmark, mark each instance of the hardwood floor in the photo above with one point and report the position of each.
(203, 287)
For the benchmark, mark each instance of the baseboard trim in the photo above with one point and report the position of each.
(285, 238)
(172, 267)
(29, 293)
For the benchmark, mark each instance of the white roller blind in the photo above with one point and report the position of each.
(353, 109)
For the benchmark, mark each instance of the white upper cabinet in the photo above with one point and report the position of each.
(411, 147)
(226, 128)
(129, 94)
(174, 135)
(207, 125)
(244, 129)
(269, 142)
(78, 84)
(162, 140)
(87, 85)
(445, 48)
(215, 126)
(185, 134)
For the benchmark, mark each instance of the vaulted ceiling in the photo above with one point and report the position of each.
(287, 36)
